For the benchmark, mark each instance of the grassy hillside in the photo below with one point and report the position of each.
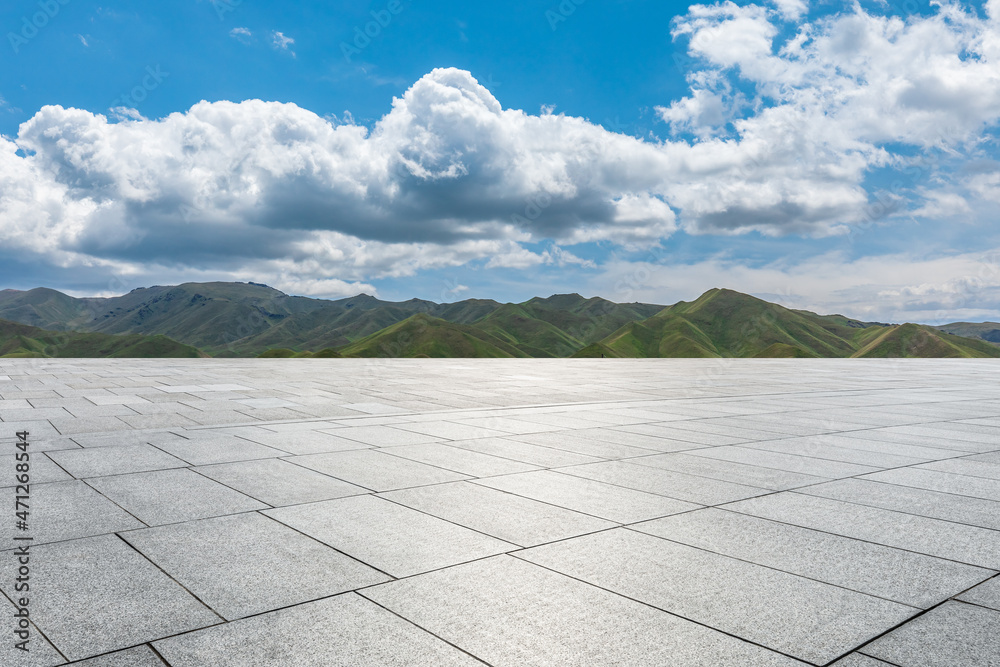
(20, 340)
(914, 340)
(986, 331)
(424, 336)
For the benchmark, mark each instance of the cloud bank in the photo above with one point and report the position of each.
(786, 120)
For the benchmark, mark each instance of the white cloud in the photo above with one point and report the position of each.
(781, 139)
(282, 42)
(241, 34)
(83, 40)
(887, 288)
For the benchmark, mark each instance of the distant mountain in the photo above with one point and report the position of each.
(247, 319)
(421, 335)
(724, 323)
(21, 340)
(250, 319)
(987, 331)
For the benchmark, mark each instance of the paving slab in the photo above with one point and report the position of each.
(807, 619)
(462, 461)
(169, 496)
(98, 461)
(933, 504)
(376, 470)
(39, 653)
(506, 516)
(301, 442)
(690, 488)
(893, 574)
(201, 448)
(41, 468)
(935, 480)
(933, 537)
(986, 594)
(738, 473)
(248, 564)
(140, 656)
(952, 635)
(966, 466)
(343, 631)
(387, 536)
(788, 462)
(822, 447)
(859, 660)
(511, 613)
(570, 441)
(86, 607)
(278, 482)
(444, 430)
(65, 511)
(600, 499)
(536, 455)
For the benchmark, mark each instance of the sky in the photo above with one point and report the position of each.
(833, 156)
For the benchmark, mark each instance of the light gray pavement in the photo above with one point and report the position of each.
(505, 512)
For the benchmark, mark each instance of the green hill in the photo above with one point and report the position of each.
(425, 336)
(724, 323)
(21, 340)
(914, 340)
(987, 331)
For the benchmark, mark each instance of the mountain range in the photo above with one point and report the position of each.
(250, 319)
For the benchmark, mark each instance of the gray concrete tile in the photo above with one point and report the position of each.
(206, 448)
(376, 470)
(738, 473)
(673, 436)
(952, 635)
(392, 538)
(450, 430)
(605, 501)
(463, 461)
(821, 447)
(571, 442)
(690, 488)
(893, 574)
(98, 461)
(278, 482)
(986, 594)
(506, 516)
(41, 468)
(140, 656)
(507, 424)
(247, 564)
(510, 613)
(87, 607)
(66, 511)
(536, 455)
(300, 442)
(933, 504)
(966, 466)
(965, 544)
(39, 653)
(859, 660)
(813, 621)
(169, 496)
(74, 425)
(934, 480)
(788, 462)
(344, 631)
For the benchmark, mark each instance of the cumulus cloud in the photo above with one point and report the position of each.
(241, 34)
(785, 121)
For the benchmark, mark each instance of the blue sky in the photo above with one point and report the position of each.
(825, 155)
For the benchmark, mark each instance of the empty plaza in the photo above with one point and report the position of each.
(503, 512)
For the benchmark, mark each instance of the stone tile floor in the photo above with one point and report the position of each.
(506, 512)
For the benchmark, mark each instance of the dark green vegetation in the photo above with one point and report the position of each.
(244, 320)
(21, 340)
